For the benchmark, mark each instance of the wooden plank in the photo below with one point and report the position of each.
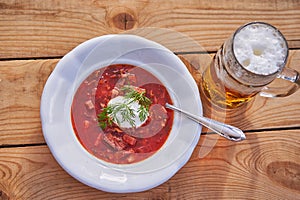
(260, 167)
(22, 82)
(52, 28)
(21, 86)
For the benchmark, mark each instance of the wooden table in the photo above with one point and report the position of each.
(34, 35)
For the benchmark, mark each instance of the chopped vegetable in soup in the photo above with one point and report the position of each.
(118, 114)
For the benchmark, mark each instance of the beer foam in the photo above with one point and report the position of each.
(260, 49)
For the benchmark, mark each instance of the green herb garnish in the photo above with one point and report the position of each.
(131, 94)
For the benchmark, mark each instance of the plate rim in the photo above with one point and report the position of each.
(78, 52)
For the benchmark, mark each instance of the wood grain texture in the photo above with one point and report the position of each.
(22, 82)
(260, 167)
(21, 87)
(52, 28)
(265, 166)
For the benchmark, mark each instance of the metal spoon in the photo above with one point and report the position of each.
(227, 131)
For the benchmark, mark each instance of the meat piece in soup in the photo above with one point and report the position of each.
(114, 143)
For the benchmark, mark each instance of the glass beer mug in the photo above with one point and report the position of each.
(246, 63)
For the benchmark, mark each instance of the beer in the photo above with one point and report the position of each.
(249, 60)
(261, 49)
(216, 89)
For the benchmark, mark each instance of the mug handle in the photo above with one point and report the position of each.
(286, 74)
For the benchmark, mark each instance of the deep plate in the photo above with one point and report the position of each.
(57, 99)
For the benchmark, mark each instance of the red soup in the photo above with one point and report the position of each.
(112, 143)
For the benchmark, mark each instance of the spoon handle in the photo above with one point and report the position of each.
(227, 131)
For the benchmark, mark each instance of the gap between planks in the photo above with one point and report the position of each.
(203, 133)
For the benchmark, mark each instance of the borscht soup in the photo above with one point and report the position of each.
(118, 114)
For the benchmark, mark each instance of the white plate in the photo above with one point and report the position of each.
(56, 105)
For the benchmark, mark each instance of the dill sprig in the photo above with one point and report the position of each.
(109, 114)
